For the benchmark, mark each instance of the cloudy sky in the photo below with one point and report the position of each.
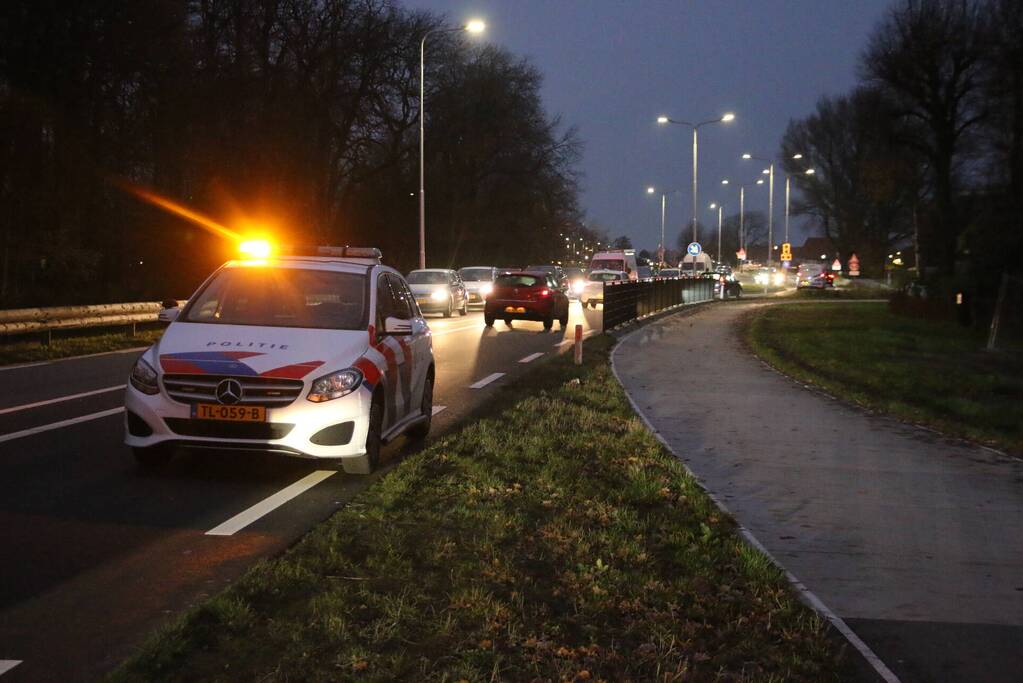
(611, 66)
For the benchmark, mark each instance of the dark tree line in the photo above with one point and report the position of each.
(297, 117)
(929, 146)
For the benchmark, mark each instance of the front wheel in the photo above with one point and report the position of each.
(426, 405)
(464, 310)
(449, 310)
(375, 432)
(152, 457)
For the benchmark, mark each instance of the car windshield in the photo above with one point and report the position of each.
(574, 273)
(604, 277)
(608, 264)
(281, 297)
(518, 281)
(428, 277)
(545, 269)
(477, 274)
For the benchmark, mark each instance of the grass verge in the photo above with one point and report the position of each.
(553, 538)
(931, 373)
(32, 351)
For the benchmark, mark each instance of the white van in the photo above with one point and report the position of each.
(615, 259)
(696, 265)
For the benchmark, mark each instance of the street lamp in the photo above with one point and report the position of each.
(788, 177)
(725, 118)
(474, 26)
(664, 205)
(719, 207)
(769, 171)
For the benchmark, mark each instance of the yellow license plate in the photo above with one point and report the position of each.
(212, 411)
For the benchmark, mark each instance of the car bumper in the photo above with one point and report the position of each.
(475, 299)
(431, 306)
(520, 310)
(169, 422)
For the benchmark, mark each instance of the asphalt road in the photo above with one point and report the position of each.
(916, 541)
(97, 554)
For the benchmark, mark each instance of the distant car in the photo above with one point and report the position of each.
(644, 272)
(814, 275)
(560, 279)
(732, 286)
(526, 296)
(439, 290)
(479, 282)
(576, 281)
(593, 292)
(769, 276)
(669, 272)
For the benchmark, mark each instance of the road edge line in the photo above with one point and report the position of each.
(254, 513)
(51, 361)
(8, 664)
(805, 594)
(60, 399)
(57, 425)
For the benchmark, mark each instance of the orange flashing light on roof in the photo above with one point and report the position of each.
(255, 249)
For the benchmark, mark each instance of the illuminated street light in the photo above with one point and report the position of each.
(664, 208)
(474, 26)
(808, 171)
(725, 118)
(769, 171)
(719, 207)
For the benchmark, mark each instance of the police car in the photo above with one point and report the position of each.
(321, 353)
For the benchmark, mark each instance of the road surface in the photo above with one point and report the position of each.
(97, 554)
(914, 540)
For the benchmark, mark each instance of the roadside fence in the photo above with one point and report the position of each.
(628, 301)
(45, 321)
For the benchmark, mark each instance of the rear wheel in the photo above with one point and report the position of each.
(488, 320)
(153, 456)
(507, 321)
(423, 428)
(548, 323)
(563, 320)
(376, 428)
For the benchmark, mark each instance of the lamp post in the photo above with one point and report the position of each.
(474, 26)
(719, 207)
(725, 118)
(788, 177)
(770, 202)
(664, 205)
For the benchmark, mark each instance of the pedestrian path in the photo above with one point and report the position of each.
(916, 541)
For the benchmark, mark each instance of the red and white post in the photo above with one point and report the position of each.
(578, 344)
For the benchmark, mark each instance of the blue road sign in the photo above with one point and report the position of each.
(694, 249)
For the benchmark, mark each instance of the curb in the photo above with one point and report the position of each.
(805, 594)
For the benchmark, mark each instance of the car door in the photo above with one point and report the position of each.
(419, 344)
(457, 288)
(398, 384)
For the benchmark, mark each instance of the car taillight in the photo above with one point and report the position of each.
(545, 292)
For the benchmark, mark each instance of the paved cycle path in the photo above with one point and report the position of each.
(915, 540)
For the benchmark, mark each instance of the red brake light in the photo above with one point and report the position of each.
(545, 292)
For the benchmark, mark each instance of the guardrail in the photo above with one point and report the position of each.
(628, 301)
(21, 321)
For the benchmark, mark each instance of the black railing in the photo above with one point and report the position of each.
(628, 301)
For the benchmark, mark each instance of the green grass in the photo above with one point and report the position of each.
(77, 345)
(553, 538)
(931, 373)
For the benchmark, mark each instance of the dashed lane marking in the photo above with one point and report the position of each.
(57, 425)
(8, 664)
(531, 357)
(267, 505)
(487, 380)
(437, 409)
(60, 399)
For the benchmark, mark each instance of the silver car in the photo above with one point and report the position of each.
(439, 290)
(479, 282)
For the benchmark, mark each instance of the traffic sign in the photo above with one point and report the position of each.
(854, 266)
(786, 251)
(836, 265)
(694, 249)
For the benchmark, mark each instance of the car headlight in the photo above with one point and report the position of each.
(779, 279)
(335, 385)
(143, 377)
(438, 295)
(578, 286)
(486, 288)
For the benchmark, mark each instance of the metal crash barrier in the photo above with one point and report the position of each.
(628, 301)
(48, 320)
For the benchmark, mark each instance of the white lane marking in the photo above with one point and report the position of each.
(247, 517)
(487, 380)
(531, 357)
(8, 664)
(437, 409)
(457, 329)
(71, 397)
(19, 366)
(57, 425)
(802, 591)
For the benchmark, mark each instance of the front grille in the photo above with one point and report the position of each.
(216, 429)
(270, 392)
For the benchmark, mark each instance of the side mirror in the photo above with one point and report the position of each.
(169, 314)
(169, 303)
(397, 327)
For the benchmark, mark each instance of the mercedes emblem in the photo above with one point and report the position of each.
(229, 392)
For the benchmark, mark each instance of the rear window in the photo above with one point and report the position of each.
(604, 277)
(476, 274)
(428, 277)
(281, 297)
(518, 281)
(608, 264)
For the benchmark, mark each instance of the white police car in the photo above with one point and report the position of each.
(324, 355)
